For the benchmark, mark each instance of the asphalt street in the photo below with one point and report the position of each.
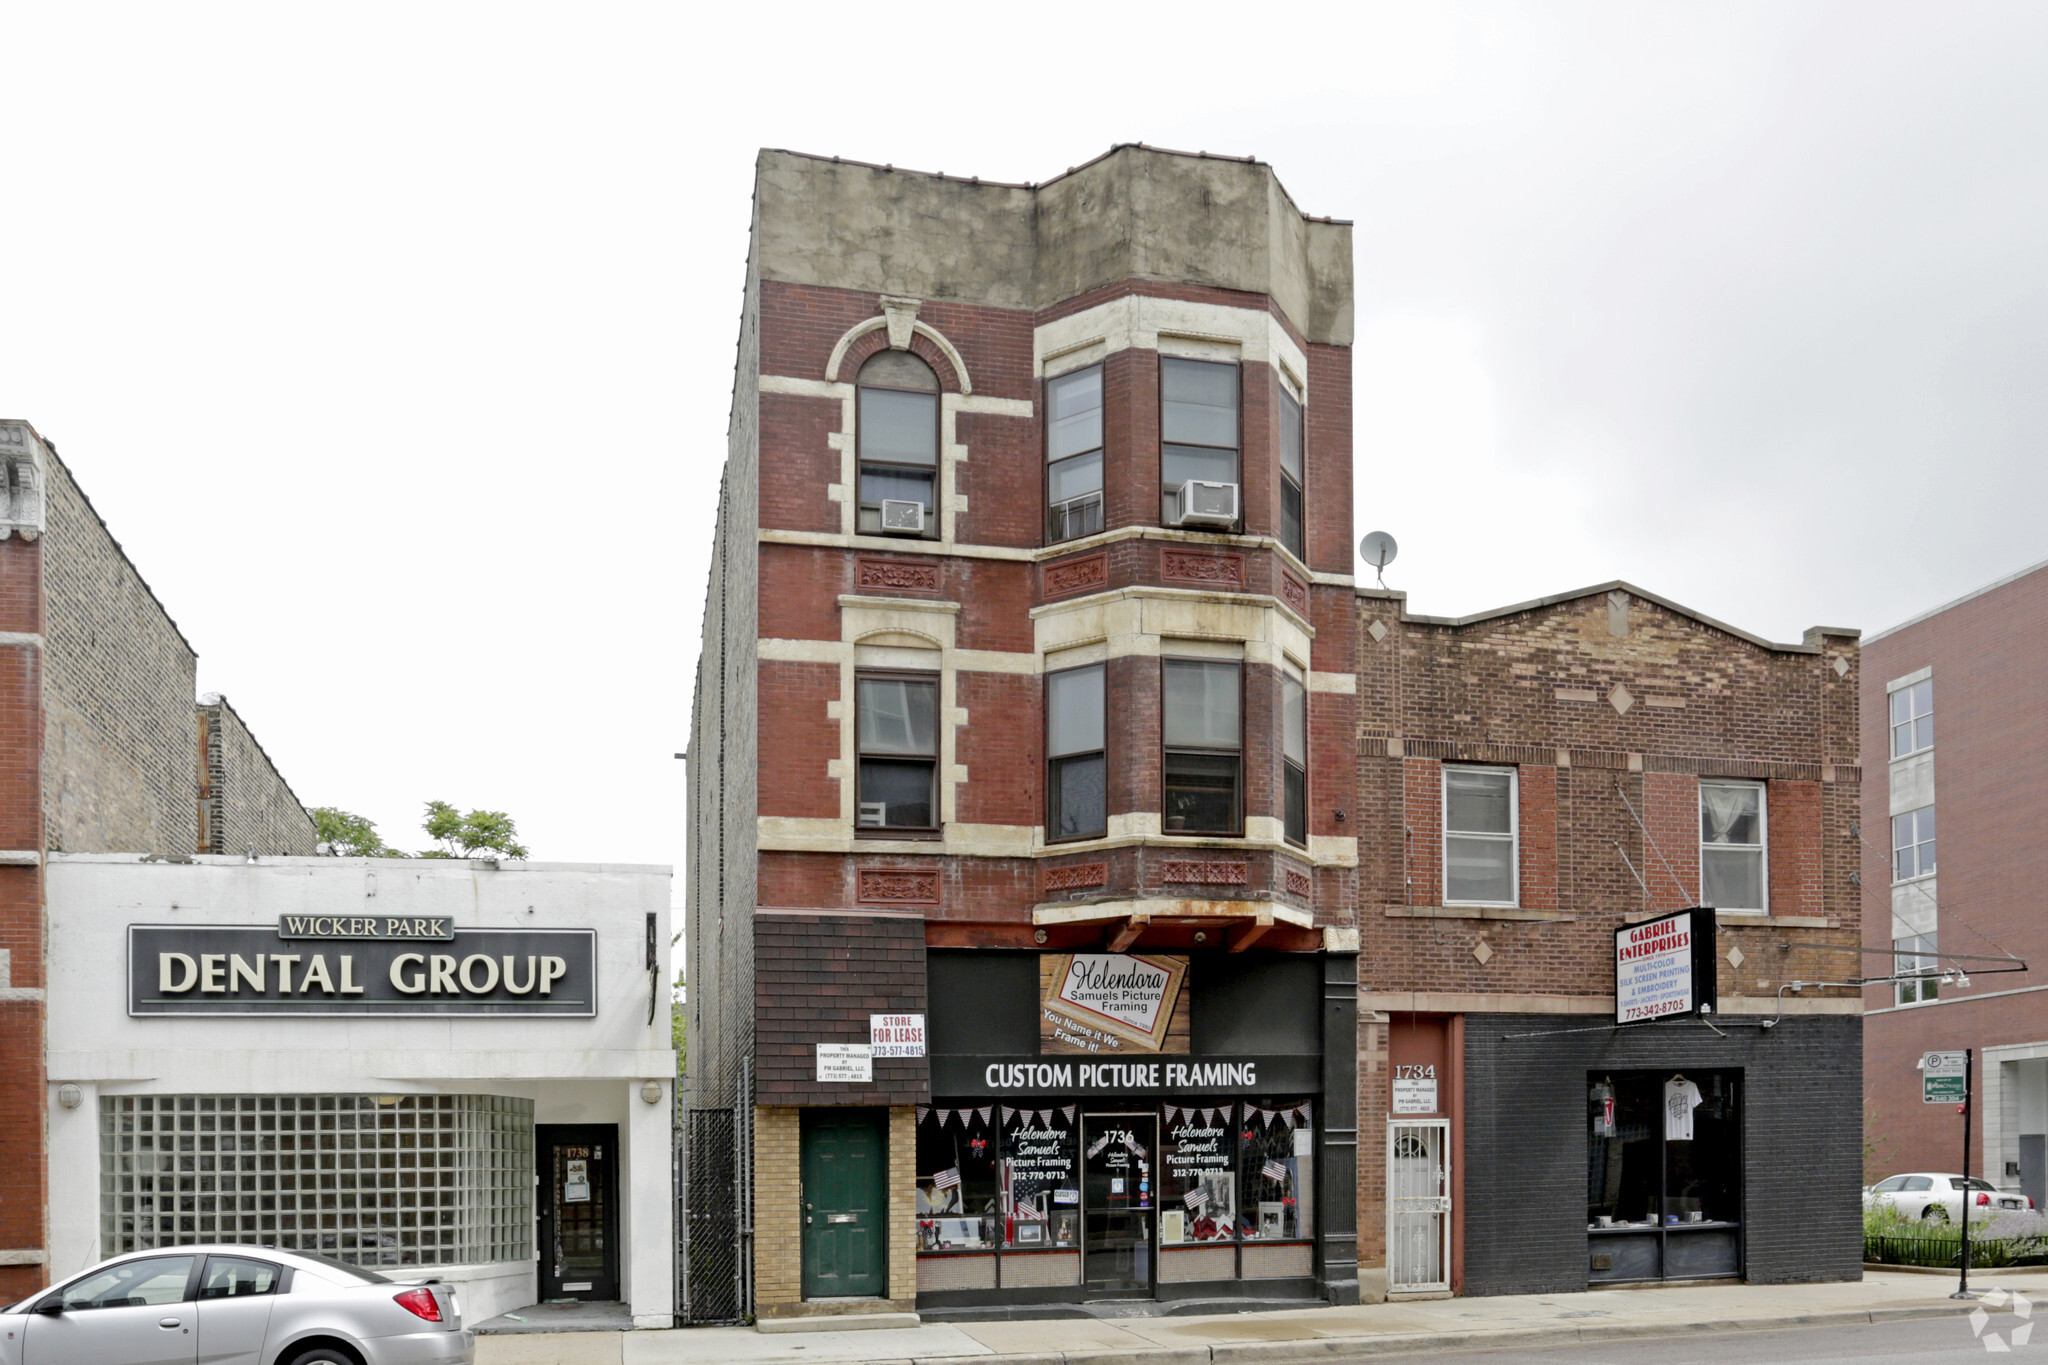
(1923, 1341)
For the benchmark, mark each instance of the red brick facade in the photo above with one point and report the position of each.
(23, 1163)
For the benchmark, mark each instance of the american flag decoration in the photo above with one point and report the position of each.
(948, 1179)
(1197, 1197)
(1100, 1143)
(1272, 1170)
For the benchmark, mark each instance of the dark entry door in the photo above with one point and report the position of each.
(845, 1168)
(579, 1213)
(1118, 1182)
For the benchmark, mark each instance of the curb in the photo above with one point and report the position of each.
(1329, 1348)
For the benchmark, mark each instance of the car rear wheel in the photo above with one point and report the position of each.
(324, 1355)
(1934, 1213)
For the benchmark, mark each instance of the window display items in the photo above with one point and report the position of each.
(1038, 1167)
(1277, 1158)
(1197, 1174)
(957, 1196)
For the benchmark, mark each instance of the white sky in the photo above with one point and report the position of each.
(395, 341)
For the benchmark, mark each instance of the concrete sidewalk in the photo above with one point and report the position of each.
(1310, 1334)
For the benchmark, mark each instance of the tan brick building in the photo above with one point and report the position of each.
(107, 752)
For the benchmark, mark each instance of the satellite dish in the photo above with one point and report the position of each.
(1378, 550)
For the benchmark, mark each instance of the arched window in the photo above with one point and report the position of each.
(899, 446)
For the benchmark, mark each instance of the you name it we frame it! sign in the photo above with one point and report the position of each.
(1664, 967)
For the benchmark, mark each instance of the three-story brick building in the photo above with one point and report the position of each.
(1024, 716)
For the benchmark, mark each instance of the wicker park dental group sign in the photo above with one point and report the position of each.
(361, 965)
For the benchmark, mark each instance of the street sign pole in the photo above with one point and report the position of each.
(1969, 1068)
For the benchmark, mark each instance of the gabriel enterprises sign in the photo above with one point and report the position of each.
(361, 966)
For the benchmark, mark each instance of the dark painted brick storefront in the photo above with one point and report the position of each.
(1526, 1136)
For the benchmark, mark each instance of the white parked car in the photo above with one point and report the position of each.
(235, 1305)
(1939, 1197)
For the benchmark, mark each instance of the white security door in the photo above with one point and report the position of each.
(1418, 1204)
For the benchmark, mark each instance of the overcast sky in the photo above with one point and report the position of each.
(395, 342)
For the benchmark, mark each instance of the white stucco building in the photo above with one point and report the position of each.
(339, 1056)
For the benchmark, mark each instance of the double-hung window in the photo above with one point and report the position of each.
(1203, 746)
(1075, 771)
(1913, 718)
(1291, 479)
(1073, 454)
(1479, 836)
(898, 402)
(897, 726)
(1198, 426)
(1294, 758)
(1916, 962)
(1732, 846)
(1913, 844)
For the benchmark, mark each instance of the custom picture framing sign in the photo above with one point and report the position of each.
(1664, 967)
(1112, 1002)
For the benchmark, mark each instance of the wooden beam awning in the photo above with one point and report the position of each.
(1239, 924)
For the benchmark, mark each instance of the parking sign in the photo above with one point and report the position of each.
(1944, 1078)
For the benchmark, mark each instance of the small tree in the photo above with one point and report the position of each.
(678, 1031)
(479, 834)
(348, 835)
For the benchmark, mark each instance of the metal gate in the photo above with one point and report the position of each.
(714, 1218)
(1418, 1204)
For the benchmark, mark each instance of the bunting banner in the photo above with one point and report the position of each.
(1172, 1114)
(1289, 1115)
(1068, 1111)
(945, 1117)
(986, 1111)
(1305, 1112)
(1008, 1114)
(923, 1112)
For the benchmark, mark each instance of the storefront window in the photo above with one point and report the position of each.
(1041, 1191)
(370, 1180)
(1198, 1180)
(957, 1204)
(1276, 1159)
(1665, 1149)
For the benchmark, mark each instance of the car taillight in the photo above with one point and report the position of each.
(1983, 1199)
(420, 1303)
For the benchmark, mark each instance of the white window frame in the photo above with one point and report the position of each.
(1514, 834)
(1897, 880)
(1892, 728)
(1924, 986)
(1763, 840)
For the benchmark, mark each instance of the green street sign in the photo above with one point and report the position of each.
(1944, 1078)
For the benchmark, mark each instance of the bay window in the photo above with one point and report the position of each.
(1203, 743)
(1073, 454)
(1075, 771)
(1294, 758)
(1198, 426)
(1291, 477)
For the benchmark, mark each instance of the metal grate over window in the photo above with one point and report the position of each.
(373, 1180)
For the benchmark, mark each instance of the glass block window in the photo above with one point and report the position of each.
(372, 1180)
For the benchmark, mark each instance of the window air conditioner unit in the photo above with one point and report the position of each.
(1198, 502)
(902, 517)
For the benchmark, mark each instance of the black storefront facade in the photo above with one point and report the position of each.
(1058, 1163)
(1685, 1149)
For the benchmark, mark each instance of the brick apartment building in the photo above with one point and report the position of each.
(1977, 668)
(1529, 781)
(107, 751)
(1094, 894)
(1025, 711)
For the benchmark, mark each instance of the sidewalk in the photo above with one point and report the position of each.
(1301, 1335)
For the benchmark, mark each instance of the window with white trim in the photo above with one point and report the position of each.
(1202, 739)
(1075, 771)
(1915, 962)
(1913, 718)
(1073, 454)
(1294, 758)
(896, 727)
(1292, 477)
(1198, 426)
(1913, 844)
(1732, 846)
(897, 400)
(1480, 829)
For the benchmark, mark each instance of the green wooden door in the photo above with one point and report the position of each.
(846, 1235)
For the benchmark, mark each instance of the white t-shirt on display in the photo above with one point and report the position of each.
(1680, 1098)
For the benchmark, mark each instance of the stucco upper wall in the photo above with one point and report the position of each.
(1136, 213)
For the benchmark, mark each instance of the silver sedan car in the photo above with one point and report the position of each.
(235, 1305)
